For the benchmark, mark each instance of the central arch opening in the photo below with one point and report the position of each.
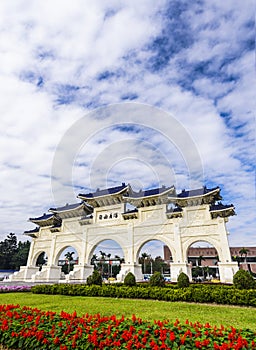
(107, 258)
(151, 256)
(203, 257)
(67, 258)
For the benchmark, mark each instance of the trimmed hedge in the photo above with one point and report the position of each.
(183, 280)
(243, 280)
(130, 280)
(219, 294)
(157, 280)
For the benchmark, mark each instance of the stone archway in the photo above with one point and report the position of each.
(150, 255)
(161, 214)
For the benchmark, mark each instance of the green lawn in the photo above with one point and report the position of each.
(240, 317)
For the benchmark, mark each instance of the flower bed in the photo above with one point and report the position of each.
(7, 289)
(27, 328)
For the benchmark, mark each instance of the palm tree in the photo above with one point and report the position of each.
(200, 258)
(117, 257)
(94, 259)
(109, 255)
(103, 255)
(69, 257)
(244, 251)
(144, 256)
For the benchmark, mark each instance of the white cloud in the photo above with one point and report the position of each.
(60, 60)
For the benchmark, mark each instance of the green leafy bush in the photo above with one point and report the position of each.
(243, 280)
(220, 294)
(183, 280)
(94, 279)
(157, 280)
(129, 279)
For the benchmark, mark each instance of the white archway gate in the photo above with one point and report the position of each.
(195, 215)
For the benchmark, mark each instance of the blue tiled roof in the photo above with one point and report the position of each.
(43, 217)
(195, 193)
(151, 192)
(105, 192)
(66, 207)
(220, 206)
(32, 231)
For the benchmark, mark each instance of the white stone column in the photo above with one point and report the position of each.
(51, 258)
(80, 273)
(31, 253)
(177, 268)
(227, 271)
(133, 268)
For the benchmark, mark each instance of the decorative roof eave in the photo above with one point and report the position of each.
(45, 220)
(204, 198)
(32, 233)
(149, 200)
(95, 200)
(224, 212)
(94, 195)
(73, 210)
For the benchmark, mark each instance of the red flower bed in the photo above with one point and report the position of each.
(27, 328)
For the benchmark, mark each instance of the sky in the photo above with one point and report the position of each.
(73, 73)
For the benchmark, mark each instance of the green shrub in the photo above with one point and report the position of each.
(157, 280)
(220, 294)
(129, 279)
(183, 280)
(94, 279)
(243, 280)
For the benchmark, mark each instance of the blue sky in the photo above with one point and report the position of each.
(61, 61)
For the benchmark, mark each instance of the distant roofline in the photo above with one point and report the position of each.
(43, 217)
(67, 207)
(165, 190)
(224, 207)
(93, 195)
(211, 190)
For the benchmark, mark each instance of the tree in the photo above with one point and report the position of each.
(243, 280)
(69, 257)
(244, 252)
(157, 280)
(183, 280)
(21, 256)
(94, 260)
(13, 254)
(103, 255)
(95, 278)
(200, 258)
(8, 248)
(144, 257)
(130, 279)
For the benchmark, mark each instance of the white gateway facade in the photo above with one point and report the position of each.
(177, 220)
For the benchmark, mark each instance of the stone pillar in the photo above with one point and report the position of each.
(80, 273)
(49, 273)
(31, 253)
(51, 258)
(136, 269)
(177, 268)
(227, 271)
(24, 274)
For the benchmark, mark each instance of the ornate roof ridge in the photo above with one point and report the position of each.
(150, 192)
(199, 192)
(67, 207)
(104, 192)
